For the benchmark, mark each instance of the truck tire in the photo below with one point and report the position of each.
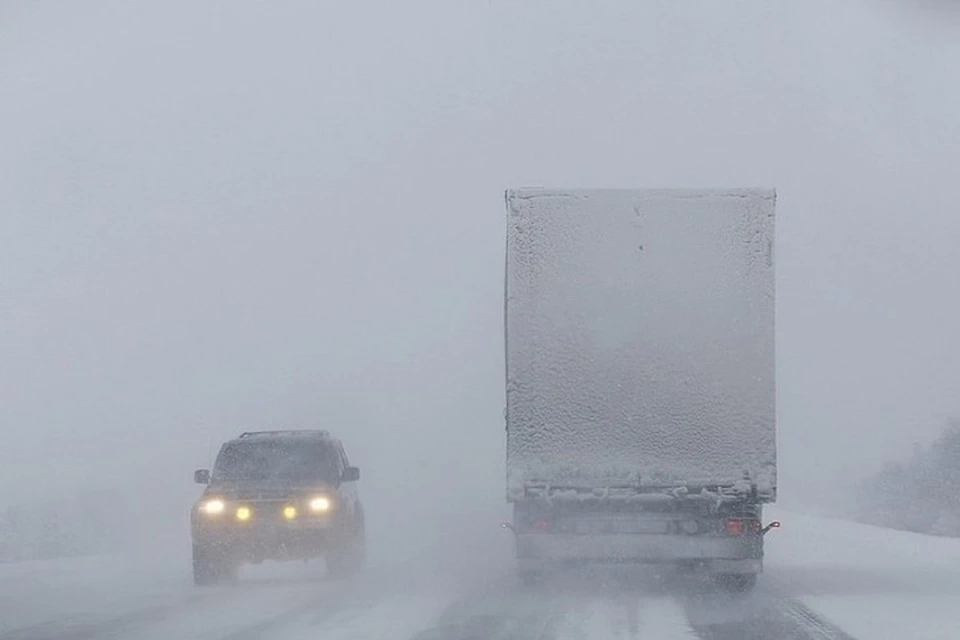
(737, 582)
(212, 566)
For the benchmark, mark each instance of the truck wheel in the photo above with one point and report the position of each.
(738, 582)
(211, 566)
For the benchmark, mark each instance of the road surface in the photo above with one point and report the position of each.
(825, 579)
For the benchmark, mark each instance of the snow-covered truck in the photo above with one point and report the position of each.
(640, 377)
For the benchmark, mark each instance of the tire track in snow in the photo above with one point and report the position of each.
(758, 617)
(818, 627)
(498, 613)
(600, 619)
(308, 610)
(396, 618)
(280, 623)
(569, 623)
(633, 617)
(524, 614)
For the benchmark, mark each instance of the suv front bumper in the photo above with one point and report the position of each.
(266, 538)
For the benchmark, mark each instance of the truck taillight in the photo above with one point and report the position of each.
(543, 525)
(740, 526)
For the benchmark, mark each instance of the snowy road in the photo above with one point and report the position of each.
(305, 607)
(825, 579)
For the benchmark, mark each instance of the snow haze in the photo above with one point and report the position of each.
(234, 216)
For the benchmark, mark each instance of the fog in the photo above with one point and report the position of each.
(234, 216)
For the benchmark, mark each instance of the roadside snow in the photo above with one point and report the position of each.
(892, 616)
(873, 583)
(84, 590)
(840, 543)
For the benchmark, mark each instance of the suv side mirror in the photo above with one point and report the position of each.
(350, 474)
(201, 476)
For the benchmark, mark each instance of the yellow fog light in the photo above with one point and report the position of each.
(243, 513)
(212, 507)
(320, 504)
(289, 513)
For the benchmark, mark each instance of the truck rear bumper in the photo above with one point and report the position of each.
(718, 554)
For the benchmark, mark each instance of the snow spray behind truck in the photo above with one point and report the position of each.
(640, 377)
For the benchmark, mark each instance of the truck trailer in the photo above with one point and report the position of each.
(640, 378)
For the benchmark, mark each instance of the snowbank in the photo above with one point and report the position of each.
(873, 583)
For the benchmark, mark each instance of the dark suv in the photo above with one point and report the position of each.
(277, 495)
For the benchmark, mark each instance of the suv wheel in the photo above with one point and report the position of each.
(211, 566)
(348, 558)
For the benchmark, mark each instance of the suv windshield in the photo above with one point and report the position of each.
(276, 462)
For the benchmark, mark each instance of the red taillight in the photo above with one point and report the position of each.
(735, 527)
(740, 526)
(543, 525)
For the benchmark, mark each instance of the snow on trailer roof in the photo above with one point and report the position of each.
(631, 495)
(284, 433)
(640, 338)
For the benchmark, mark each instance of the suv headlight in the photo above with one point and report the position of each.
(320, 504)
(213, 507)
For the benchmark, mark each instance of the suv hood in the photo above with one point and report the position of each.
(263, 490)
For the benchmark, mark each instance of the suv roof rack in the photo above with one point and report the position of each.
(315, 433)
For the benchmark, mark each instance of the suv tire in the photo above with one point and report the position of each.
(211, 566)
(349, 556)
